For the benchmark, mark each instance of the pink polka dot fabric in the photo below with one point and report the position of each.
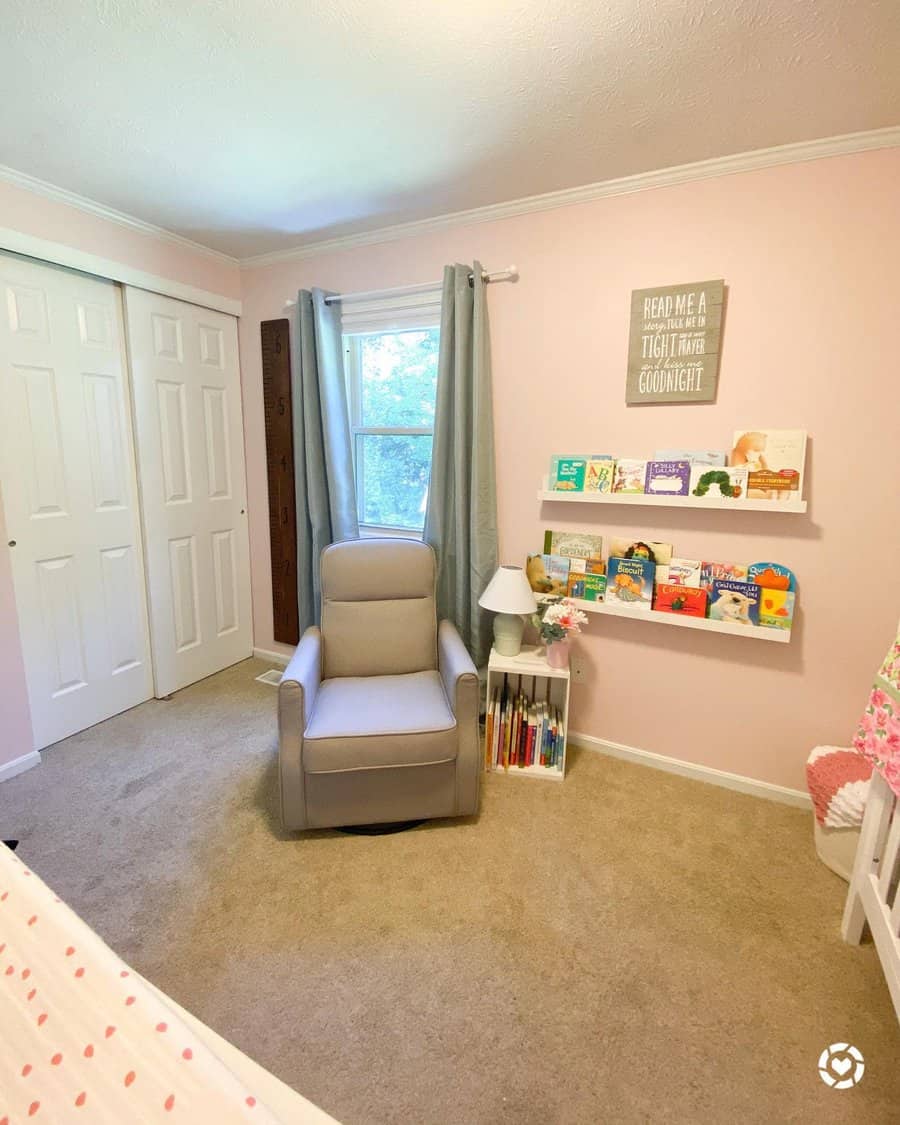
(84, 1038)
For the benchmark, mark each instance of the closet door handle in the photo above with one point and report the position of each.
(11, 543)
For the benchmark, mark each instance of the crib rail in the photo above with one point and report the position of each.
(874, 897)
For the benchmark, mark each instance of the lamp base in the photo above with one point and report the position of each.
(508, 629)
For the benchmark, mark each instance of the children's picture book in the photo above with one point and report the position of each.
(734, 602)
(594, 579)
(567, 474)
(660, 554)
(629, 475)
(776, 608)
(548, 574)
(577, 571)
(773, 576)
(573, 544)
(717, 571)
(687, 601)
(682, 572)
(693, 456)
(774, 460)
(728, 483)
(629, 582)
(594, 587)
(667, 478)
(598, 474)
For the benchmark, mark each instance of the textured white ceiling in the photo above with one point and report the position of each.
(254, 125)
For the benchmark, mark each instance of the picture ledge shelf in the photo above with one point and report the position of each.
(655, 501)
(703, 624)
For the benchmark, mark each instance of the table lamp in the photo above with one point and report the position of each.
(509, 595)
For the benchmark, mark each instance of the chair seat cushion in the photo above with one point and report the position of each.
(371, 722)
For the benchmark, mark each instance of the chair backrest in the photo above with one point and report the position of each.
(378, 608)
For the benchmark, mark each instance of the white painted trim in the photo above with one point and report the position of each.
(278, 658)
(19, 765)
(694, 771)
(796, 153)
(110, 214)
(58, 254)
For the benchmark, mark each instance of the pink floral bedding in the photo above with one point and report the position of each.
(878, 736)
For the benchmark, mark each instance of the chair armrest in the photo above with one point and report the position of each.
(296, 699)
(304, 672)
(458, 672)
(460, 680)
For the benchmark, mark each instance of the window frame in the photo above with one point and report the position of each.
(351, 340)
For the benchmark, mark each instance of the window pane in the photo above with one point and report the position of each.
(392, 473)
(398, 378)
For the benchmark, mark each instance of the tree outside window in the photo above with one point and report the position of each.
(392, 379)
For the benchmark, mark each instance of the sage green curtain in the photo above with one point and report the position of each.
(323, 456)
(461, 512)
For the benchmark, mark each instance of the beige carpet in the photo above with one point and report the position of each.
(624, 947)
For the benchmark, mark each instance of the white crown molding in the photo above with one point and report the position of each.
(59, 254)
(796, 153)
(693, 770)
(92, 207)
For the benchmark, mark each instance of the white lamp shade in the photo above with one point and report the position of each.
(508, 592)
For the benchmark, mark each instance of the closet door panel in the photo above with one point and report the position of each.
(190, 454)
(70, 496)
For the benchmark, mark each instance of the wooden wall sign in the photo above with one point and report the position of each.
(673, 348)
(276, 365)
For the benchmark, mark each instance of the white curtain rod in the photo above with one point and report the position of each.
(511, 273)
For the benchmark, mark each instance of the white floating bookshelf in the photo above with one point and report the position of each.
(531, 673)
(715, 502)
(703, 624)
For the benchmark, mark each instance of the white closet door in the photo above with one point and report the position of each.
(187, 399)
(69, 490)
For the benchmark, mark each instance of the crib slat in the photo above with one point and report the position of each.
(872, 835)
(888, 862)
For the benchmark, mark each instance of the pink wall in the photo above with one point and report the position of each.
(24, 211)
(810, 255)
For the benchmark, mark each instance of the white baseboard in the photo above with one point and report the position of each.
(19, 765)
(694, 771)
(273, 657)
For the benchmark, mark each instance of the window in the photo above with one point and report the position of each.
(392, 380)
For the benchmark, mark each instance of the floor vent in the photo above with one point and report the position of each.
(273, 677)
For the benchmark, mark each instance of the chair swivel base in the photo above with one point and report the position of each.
(380, 829)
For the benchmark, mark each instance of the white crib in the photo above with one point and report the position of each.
(874, 895)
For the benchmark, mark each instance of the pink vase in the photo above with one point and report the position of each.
(558, 654)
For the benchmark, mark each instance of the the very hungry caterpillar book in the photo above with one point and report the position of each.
(629, 582)
(728, 483)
